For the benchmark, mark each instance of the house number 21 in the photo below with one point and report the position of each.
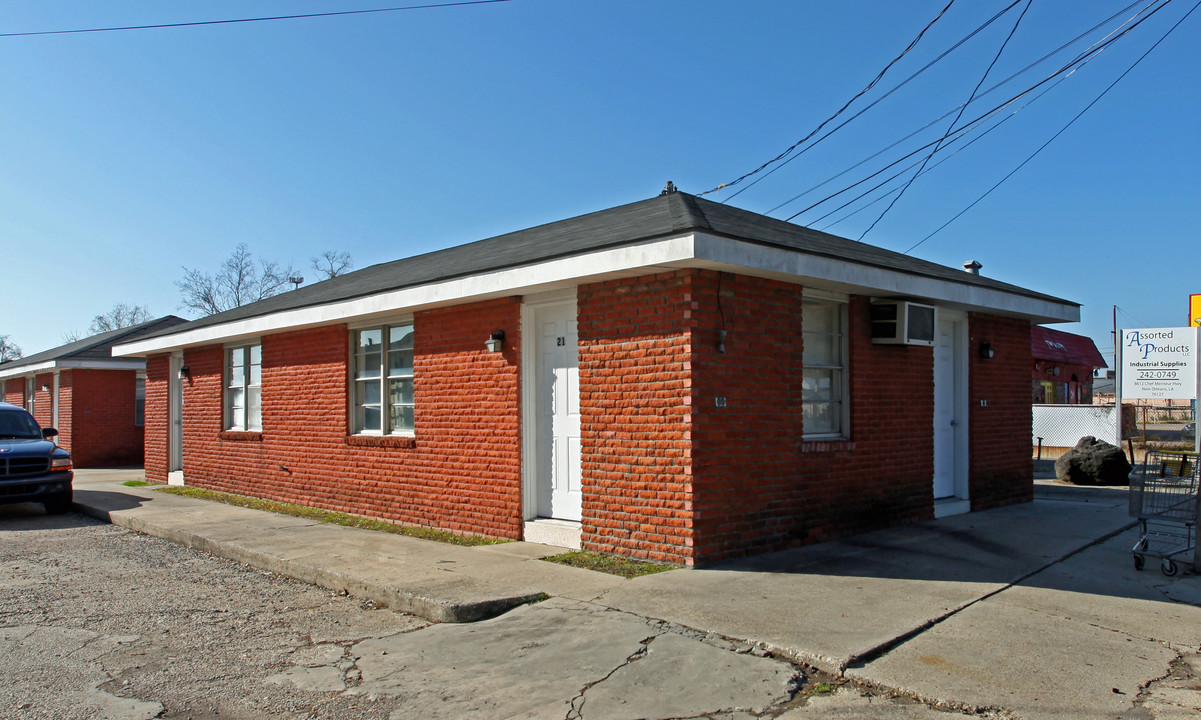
(560, 341)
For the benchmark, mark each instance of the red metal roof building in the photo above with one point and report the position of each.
(1063, 366)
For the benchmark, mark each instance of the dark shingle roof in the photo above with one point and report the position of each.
(97, 347)
(632, 224)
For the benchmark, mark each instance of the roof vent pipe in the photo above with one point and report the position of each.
(972, 266)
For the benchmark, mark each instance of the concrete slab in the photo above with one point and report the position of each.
(1101, 587)
(1033, 609)
(608, 664)
(1079, 639)
(849, 704)
(829, 605)
(1039, 666)
(437, 581)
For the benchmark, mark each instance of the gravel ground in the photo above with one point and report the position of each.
(96, 621)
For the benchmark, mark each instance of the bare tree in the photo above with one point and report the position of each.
(239, 281)
(332, 263)
(9, 350)
(121, 316)
(71, 336)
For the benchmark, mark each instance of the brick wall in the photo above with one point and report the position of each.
(670, 474)
(635, 351)
(746, 410)
(773, 488)
(461, 471)
(43, 400)
(156, 427)
(1001, 468)
(100, 408)
(66, 423)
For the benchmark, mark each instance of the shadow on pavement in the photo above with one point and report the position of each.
(31, 516)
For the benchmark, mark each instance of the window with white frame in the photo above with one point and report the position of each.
(139, 399)
(243, 387)
(383, 380)
(824, 387)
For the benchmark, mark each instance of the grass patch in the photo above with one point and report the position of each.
(328, 516)
(820, 688)
(611, 564)
(135, 483)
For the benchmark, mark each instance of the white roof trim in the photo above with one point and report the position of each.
(688, 250)
(92, 364)
(856, 278)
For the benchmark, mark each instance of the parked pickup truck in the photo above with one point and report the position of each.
(32, 467)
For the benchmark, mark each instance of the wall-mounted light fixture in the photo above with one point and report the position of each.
(987, 351)
(184, 373)
(1055, 371)
(495, 341)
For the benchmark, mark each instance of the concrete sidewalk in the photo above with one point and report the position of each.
(1001, 609)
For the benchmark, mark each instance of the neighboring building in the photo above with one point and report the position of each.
(673, 379)
(94, 400)
(1063, 367)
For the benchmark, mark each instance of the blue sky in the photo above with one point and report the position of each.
(127, 155)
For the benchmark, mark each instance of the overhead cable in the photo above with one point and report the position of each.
(992, 89)
(931, 168)
(1061, 130)
(1069, 67)
(870, 105)
(954, 122)
(254, 19)
(841, 110)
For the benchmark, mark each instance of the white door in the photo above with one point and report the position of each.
(945, 410)
(557, 398)
(175, 422)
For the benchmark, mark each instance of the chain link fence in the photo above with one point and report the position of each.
(1057, 428)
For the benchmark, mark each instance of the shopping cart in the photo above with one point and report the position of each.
(1163, 496)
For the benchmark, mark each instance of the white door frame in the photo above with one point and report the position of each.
(529, 399)
(175, 421)
(960, 502)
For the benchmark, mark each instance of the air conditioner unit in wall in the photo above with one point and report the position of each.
(900, 322)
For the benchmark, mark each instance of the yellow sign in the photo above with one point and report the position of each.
(1194, 310)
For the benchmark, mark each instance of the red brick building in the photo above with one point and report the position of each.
(94, 400)
(672, 379)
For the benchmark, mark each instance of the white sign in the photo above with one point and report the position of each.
(1159, 363)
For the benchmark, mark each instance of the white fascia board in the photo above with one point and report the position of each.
(687, 250)
(122, 364)
(857, 278)
(664, 254)
(27, 370)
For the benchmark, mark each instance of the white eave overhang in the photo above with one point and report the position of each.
(661, 255)
(94, 364)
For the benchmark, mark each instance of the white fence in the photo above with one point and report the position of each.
(1064, 425)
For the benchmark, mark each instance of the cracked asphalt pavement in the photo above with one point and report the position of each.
(100, 622)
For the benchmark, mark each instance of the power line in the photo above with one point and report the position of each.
(856, 116)
(954, 122)
(1073, 65)
(1061, 130)
(254, 19)
(945, 158)
(992, 89)
(841, 110)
